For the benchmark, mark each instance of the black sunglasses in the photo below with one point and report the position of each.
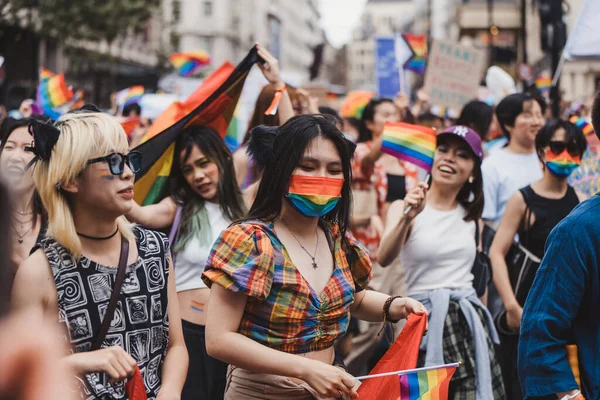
(558, 147)
(116, 162)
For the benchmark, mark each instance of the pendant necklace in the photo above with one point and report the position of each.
(313, 257)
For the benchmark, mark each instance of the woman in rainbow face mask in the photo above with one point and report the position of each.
(285, 280)
(532, 213)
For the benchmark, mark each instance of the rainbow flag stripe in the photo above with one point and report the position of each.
(45, 74)
(418, 44)
(582, 124)
(426, 385)
(134, 95)
(543, 83)
(188, 63)
(355, 103)
(411, 143)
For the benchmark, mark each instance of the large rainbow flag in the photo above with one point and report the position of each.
(418, 44)
(427, 384)
(188, 63)
(45, 74)
(212, 105)
(412, 143)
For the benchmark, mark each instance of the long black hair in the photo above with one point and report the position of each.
(7, 268)
(364, 133)
(572, 133)
(9, 125)
(470, 196)
(478, 116)
(213, 147)
(282, 157)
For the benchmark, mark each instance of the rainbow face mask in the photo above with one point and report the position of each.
(314, 196)
(563, 164)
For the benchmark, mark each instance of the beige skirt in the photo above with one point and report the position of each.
(246, 385)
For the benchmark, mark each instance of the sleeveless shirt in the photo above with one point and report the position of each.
(548, 213)
(140, 323)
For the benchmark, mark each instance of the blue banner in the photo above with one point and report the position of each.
(387, 70)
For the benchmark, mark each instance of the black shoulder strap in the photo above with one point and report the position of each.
(477, 234)
(114, 297)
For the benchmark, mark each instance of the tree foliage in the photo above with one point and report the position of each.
(80, 19)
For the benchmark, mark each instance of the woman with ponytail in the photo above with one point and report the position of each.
(84, 173)
(285, 279)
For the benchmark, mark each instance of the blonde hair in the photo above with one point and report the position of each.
(83, 136)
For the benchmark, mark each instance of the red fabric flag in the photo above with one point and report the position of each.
(135, 387)
(403, 354)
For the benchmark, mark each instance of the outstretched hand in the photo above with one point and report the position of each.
(270, 67)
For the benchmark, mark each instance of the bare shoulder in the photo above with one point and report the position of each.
(33, 283)
(516, 202)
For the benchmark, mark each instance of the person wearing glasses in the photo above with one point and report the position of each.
(532, 212)
(85, 179)
(205, 199)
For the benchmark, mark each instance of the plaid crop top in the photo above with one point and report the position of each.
(283, 311)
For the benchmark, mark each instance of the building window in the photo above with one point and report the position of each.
(176, 12)
(208, 8)
(274, 26)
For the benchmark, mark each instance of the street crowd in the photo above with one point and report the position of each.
(287, 268)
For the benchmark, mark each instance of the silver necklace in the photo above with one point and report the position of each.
(313, 257)
(23, 235)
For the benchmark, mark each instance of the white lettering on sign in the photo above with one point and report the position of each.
(461, 131)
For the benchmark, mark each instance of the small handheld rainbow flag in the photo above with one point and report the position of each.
(431, 384)
(355, 102)
(53, 93)
(582, 124)
(411, 143)
(543, 83)
(134, 95)
(188, 63)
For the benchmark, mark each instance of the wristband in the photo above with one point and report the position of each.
(272, 110)
(386, 309)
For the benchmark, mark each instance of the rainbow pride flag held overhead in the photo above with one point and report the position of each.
(582, 124)
(52, 93)
(188, 63)
(412, 143)
(134, 95)
(355, 102)
(430, 384)
(418, 44)
(211, 105)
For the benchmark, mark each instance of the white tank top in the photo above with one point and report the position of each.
(190, 261)
(439, 252)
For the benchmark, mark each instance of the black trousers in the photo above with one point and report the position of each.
(508, 347)
(206, 375)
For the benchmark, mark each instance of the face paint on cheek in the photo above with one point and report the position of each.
(105, 174)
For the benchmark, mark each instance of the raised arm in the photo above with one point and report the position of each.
(398, 224)
(502, 241)
(175, 366)
(225, 310)
(155, 216)
(270, 70)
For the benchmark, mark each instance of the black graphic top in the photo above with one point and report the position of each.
(140, 324)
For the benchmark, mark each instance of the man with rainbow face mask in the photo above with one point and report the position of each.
(532, 213)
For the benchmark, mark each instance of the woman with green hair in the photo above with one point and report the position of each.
(205, 199)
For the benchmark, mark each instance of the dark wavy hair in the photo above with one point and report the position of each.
(9, 125)
(572, 132)
(7, 268)
(213, 147)
(364, 133)
(282, 153)
(470, 195)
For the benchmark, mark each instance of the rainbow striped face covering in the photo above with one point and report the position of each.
(314, 196)
(563, 164)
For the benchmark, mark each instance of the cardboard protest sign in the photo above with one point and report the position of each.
(453, 74)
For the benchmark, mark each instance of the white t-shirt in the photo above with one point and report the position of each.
(504, 173)
(191, 260)
(440, 251)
